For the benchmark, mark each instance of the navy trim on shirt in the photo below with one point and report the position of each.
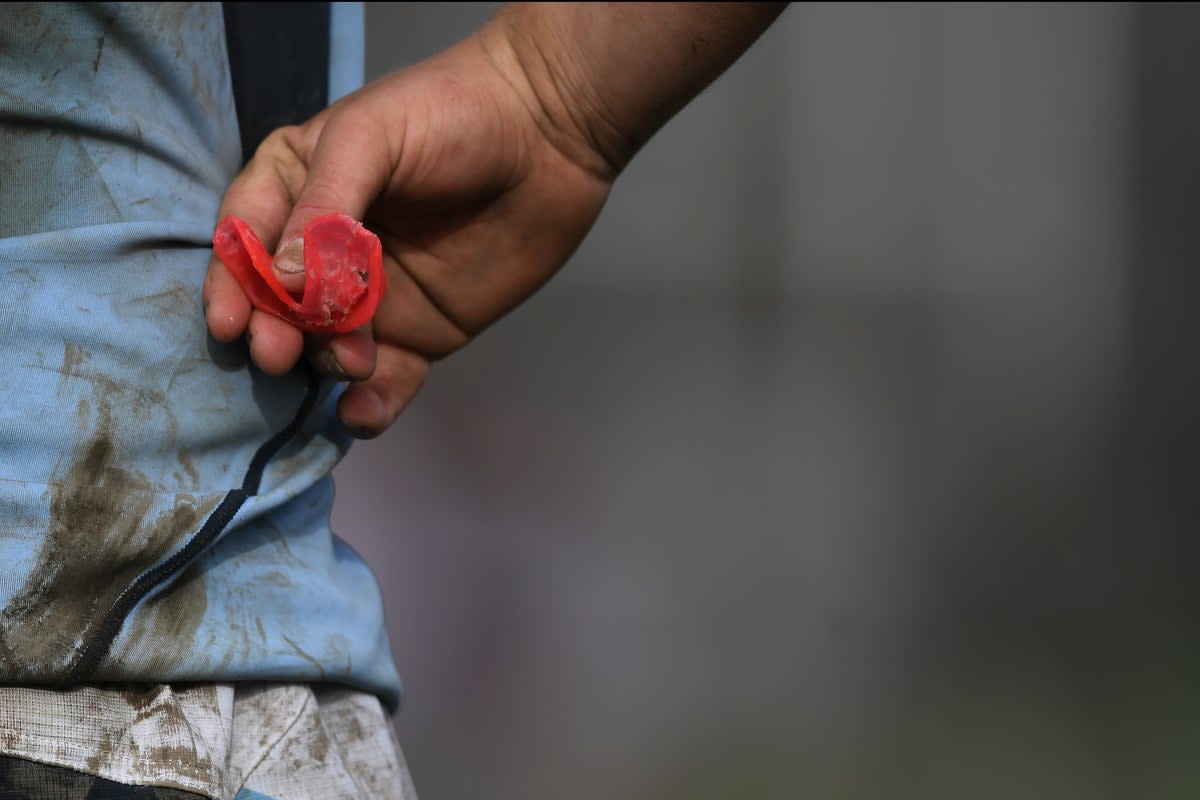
(279, 65)
(97, 647)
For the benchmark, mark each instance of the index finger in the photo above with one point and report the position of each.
(262, 196)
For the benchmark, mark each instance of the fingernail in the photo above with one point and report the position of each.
(331, 365)
(366, 404)
(289, 260)
(358, 432)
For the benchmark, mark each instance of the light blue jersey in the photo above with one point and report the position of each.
(164, 506)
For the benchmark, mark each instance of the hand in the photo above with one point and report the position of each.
(476, 196)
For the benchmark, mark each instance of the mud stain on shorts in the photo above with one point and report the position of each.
(159, 729)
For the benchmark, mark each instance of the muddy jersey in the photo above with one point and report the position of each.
(164, 506)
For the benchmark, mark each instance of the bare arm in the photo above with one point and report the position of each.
(480, 169)
(603, 77)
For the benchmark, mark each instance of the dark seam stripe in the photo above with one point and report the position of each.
(278, 65)
(101, 641)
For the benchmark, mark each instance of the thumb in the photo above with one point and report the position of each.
(349, 168)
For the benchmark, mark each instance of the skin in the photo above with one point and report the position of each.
(481, 170)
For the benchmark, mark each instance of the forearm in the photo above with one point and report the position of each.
(602, 77)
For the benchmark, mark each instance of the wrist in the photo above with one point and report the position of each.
(602, 78)
(532, 53)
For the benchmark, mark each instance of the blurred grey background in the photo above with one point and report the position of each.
(853, 454)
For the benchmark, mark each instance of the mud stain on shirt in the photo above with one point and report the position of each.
(178, 299)
(107, 526)
(279, 540)
(166, 624)
(99, 53)
(300, 652)
(74, 357)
